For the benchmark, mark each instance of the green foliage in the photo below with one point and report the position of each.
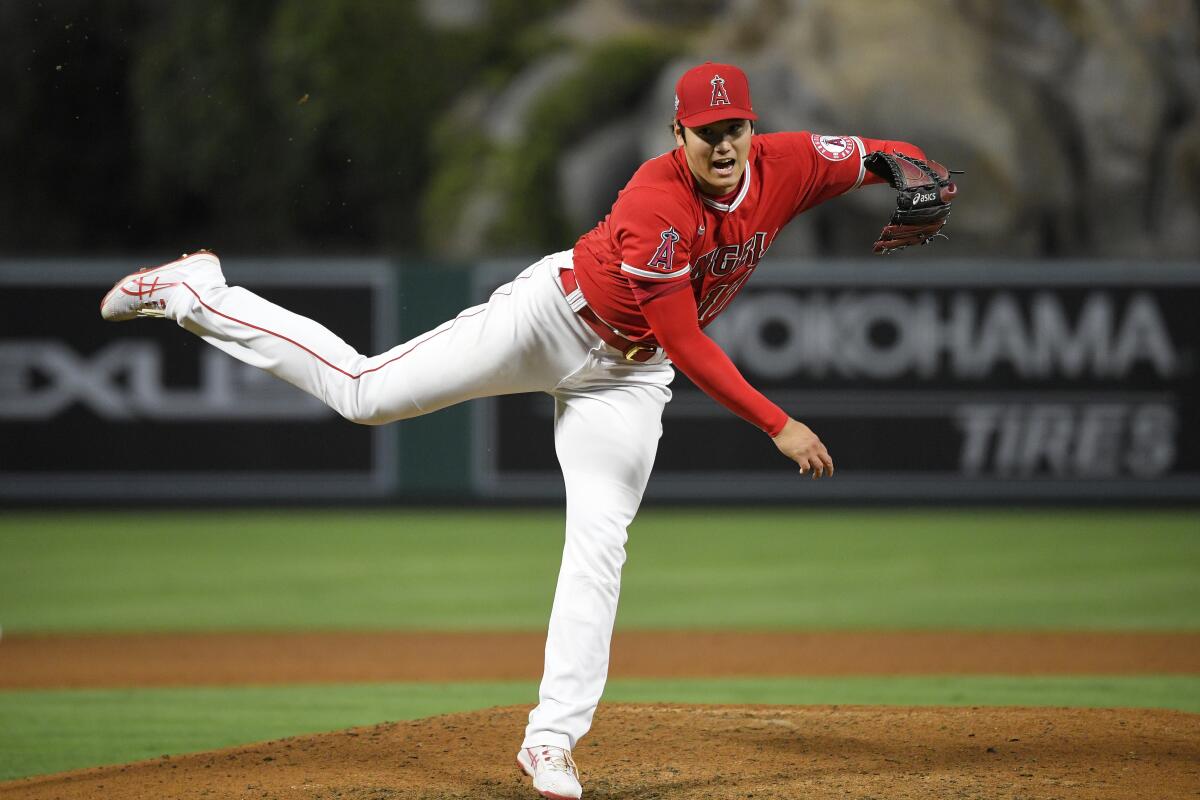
(209, 138)
(607, 83)
(462, 158)
(274, 125)
(287, 125)
(376, 80)
(295, 117)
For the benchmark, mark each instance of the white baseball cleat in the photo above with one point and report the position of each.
(145, 292)
(554, 774)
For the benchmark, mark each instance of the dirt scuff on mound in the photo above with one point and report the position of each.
(680, 752)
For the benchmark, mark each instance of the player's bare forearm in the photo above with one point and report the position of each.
(800, 444)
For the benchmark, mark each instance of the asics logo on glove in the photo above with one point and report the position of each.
(923, 201)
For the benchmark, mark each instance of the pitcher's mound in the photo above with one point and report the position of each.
(701, 752)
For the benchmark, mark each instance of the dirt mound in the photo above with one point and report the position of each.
(700, 752)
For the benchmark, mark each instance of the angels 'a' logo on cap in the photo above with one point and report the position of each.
(719, 96)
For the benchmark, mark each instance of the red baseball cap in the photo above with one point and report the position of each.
(712, 92)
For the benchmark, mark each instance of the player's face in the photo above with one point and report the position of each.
(716, 153)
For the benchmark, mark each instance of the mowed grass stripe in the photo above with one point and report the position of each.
(495, 569)
(54, 731)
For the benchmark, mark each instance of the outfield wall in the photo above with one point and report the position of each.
(1006, 381)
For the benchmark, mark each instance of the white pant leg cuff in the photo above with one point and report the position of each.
(547, 739)
(179, 304)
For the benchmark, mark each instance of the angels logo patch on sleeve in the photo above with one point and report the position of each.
(652, 230)
(664, 256)
(833, 148)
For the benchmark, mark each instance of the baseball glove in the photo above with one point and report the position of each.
(923, 202)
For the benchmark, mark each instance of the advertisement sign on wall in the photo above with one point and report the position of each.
(1016, 381)
(91, 410)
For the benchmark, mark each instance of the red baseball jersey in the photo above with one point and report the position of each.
(663, 230)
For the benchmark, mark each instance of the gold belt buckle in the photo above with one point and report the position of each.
(635, 349)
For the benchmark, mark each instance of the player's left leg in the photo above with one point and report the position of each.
(525, 338)
(607, 428)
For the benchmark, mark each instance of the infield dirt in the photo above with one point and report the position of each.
(179, 659)
(673, 752)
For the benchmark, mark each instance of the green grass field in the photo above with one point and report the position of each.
(794, 568)
(478, 570)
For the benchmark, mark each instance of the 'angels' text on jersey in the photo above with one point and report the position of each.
(725, 261)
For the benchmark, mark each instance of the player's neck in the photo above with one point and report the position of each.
(722, 198)
(728, 196)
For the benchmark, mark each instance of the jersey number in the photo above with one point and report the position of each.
(720, 296)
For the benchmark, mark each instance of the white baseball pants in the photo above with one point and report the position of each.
(526, 338)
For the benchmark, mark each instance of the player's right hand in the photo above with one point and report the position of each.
(800, 444)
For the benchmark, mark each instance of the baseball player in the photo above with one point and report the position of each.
(598, 328)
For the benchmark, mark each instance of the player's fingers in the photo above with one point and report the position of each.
(818, 464)
(808, 464)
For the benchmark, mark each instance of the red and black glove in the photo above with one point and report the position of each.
(923, 202)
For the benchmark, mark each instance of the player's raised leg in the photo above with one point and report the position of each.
(525, 338)
(606, 438)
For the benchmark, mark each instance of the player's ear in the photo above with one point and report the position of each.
(677, 129)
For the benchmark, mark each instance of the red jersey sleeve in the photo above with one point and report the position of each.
(653, 231)
(672, 319)
(828, 166)
(885, 146)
